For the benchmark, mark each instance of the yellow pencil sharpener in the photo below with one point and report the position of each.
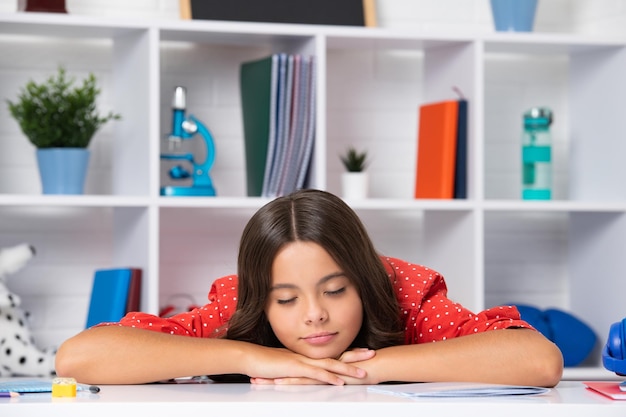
(63, 387)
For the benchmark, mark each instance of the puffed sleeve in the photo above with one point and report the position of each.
(208, 321)
(429, 315)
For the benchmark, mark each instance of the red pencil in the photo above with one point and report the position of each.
(5, 394)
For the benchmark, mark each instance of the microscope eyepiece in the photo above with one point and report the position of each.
(179, 101)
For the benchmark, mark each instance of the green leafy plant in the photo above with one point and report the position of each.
(54, 114)
(354, 161)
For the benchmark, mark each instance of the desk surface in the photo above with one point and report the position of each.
(569, 398)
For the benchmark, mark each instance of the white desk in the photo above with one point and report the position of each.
(569, 399)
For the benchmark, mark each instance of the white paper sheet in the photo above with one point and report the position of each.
(455, 389)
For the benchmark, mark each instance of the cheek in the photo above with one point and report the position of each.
(355, 315)
(350, 313)
(278, 320)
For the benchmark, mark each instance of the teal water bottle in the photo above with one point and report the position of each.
(537, 155)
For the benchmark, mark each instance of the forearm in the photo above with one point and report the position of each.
(125, 355)
(513, 356)
(122, 355)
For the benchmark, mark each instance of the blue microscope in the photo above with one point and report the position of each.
(185, 128)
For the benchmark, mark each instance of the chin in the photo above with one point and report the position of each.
(320, 353)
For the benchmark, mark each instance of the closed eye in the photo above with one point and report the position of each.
(287, 301)
(336, 292)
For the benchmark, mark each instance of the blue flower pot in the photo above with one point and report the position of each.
(62, 170)
(514, 15)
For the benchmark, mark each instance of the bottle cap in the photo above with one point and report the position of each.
(538, 116)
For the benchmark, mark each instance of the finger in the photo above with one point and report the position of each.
(304, 372)
(322, 376)
(286, 381)
(297, 381)
(262, 381)
(341, 368)
(349, 352)
(357, 355)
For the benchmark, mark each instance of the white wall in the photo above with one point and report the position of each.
(393, 92)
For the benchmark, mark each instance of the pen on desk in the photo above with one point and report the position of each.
(94, 389)
(6, 394)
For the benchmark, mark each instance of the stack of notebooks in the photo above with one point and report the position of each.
(114, 293)
(442, 150)
(278, 108)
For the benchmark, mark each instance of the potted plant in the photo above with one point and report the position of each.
(355, 180)
(60, 121)
(514, 15)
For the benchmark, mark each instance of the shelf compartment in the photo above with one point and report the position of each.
(196, 247)
(577, 78)
(208, 64)
(119, 149)
(558, 259)
(71, 242)
(374, 89)
(444, 240)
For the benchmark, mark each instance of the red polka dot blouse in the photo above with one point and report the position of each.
(427, 313)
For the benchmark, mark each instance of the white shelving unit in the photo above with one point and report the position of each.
(182, 244)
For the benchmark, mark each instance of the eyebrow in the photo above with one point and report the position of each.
(320, 282)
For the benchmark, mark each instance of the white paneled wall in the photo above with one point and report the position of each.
(599, 16)
(375, 96)
(373, 90)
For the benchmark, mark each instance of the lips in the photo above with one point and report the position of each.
(319, 338)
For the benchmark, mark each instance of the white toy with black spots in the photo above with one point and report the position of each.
(19, 355)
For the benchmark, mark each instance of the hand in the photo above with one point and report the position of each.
(341, 373)
(357, 355)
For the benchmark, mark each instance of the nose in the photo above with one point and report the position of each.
(315, 313)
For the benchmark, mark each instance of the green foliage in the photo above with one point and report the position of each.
(354, 161)
(53, 114)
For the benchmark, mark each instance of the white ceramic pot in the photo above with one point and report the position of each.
(354, 185)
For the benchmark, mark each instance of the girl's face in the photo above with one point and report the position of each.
(313, 308)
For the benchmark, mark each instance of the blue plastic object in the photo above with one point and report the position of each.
(614, 351)
(536, 318)
(574, 338)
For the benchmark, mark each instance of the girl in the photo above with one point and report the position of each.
(313, 303)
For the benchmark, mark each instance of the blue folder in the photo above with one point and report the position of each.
(109, 295)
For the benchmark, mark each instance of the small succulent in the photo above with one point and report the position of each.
(354, 161)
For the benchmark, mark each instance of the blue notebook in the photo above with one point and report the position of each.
(460, 172)
(109, 295)
(26, 386)
(32, 386)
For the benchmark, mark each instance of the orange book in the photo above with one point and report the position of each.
(436, 149)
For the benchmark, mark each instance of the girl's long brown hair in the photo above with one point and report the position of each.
(322, 218)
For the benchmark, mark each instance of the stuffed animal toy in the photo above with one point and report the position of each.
(19, 355)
